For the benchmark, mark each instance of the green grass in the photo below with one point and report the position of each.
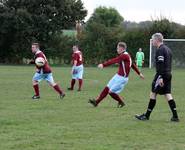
(72, 124)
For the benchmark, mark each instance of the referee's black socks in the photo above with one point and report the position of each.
(173, 108)
(151, 105)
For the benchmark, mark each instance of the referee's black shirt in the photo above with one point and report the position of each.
(163, 60)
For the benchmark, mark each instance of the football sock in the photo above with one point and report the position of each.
(36, 89)
(80, 84)
(151, 105)
(72, 83)
(116, 97)
(102, 95)
(173, 108)
(58, 89)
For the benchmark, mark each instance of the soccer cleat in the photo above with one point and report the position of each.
(175, 119)
(62, 95)
(70, 89)
(35, 97)
(121, 104)
(142, 117)
(93, 102)
(79, 90)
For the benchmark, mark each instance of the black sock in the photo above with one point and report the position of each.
(173, 108)
(151, 105)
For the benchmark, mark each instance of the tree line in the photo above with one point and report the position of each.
(25, 21)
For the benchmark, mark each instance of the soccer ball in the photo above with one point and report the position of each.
(39, 61)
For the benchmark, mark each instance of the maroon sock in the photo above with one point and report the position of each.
(58, 89)
(102, 95)
(80, 84)
(36, 88)
(72, 83)
(116, 97)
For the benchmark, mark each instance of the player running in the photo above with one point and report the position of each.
(43, 73)
(120, 79)
(77, 69)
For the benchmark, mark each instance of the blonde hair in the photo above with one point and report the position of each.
(122, 44)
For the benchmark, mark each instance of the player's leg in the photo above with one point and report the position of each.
(73, 80)
(139, 65)
(169, 98)
(56, 87)
(152, 101)
(36, 79)
(151, 105)
(118, 99)
(172, 106)
(118, 86)
(80, 78)
(72, 84)
(102, 95)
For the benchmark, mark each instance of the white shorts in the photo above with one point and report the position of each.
(78, 72)
(117, 83)
(43, 76)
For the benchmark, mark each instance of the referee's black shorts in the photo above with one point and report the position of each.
(166, 89)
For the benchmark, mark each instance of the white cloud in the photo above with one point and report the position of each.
(141, 10)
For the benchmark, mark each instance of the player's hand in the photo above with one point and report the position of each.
(100, 66)
(141, 76)
(28, 61)
(161, 83)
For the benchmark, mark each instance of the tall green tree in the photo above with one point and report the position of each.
(102, 32)
(24, 21)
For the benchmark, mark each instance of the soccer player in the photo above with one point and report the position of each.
(162, 80)
(120, 79)
(77, 69)
(43, 73)
(140, 58)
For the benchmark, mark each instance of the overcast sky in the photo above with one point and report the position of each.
(142, 10)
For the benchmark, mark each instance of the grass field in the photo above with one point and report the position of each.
(72, 124)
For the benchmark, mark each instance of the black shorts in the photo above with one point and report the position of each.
(166, 89)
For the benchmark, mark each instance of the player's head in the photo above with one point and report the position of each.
(121, 47)
(75, 48)
(35, 47)
(157, 39)
(140, 49)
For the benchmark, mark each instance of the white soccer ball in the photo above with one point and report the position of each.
(39, 61)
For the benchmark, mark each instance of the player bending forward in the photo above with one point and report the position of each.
(43, 73)
(120, 79)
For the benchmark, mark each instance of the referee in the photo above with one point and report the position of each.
(162, 80)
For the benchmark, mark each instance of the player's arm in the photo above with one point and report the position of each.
(136, 57)
(31, 61)
(161, 68)
(134, 67)
(143, 58)
(111, 61)
(74, 64)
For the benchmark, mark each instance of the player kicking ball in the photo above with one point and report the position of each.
(120, 79)
(43, 72)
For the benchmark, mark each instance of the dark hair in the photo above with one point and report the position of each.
(36, 44)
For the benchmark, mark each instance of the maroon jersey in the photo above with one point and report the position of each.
(46, 68)
(78, 57)
(125, 63)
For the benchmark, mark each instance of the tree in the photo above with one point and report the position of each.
(102, 32)
(24, 21)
